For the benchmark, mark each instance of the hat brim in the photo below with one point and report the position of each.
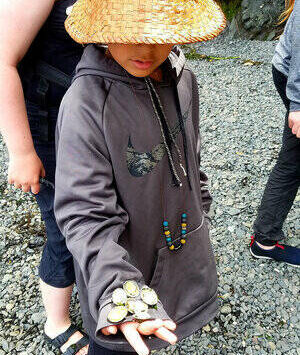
(148, 22)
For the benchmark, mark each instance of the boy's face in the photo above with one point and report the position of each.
(140, 60)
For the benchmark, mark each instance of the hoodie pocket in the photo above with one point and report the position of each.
(186, 279)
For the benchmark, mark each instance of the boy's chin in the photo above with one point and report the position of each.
(140, 73)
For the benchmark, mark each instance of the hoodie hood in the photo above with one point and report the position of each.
(95, 62)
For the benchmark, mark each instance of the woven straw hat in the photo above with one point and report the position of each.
(145, 21)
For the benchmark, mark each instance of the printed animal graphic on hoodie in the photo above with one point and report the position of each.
(115, 187)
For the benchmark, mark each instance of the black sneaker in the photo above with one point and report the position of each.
(281, 252)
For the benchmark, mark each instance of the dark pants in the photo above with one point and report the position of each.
(284, 180)
(95, 349)
(56, 267)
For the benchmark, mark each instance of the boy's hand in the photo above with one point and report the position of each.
(294, 123)
(24, 172)
(133, 330)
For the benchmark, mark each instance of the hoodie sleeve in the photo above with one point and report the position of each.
(205, 194)
(293, 84)
(86, 204)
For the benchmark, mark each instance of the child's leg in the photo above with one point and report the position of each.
(283, 182)
(56, 268)
(95, 349)
(56, 272)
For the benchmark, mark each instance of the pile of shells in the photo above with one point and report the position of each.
(132, 299)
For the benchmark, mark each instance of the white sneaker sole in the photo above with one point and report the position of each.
(268, 258)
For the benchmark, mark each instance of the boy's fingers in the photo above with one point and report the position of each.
(149, 327)
(105, 331)
(164, 334)
(25, 188)
(43, 173)
(110, 330)
(133, 337)
(17, 186)
(35, 188)
(169, 324)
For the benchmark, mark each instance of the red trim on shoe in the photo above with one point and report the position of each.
(252, 240)
(279, 245)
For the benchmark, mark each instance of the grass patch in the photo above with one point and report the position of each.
(230, 7)
(192, 54)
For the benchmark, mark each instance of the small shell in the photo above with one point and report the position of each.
(149, 296)
(136, 306)
(130, 305)
(131, 288)
(119, 297)
(142, 315)
(117, 314)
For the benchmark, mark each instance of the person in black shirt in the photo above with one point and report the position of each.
(37, 68)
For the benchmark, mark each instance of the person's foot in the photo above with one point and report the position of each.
(277, 252)
(53, 332)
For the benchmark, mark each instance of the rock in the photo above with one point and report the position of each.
(5, 345)
(226, 309)
(272, 345)
(256, 20)
(225, 296)
(206, 328)
(9, 307)
(37, 317)
(234, 211)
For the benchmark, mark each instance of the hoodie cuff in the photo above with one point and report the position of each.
(294, 106)
(106, 307)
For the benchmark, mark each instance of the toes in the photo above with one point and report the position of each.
(83, 351)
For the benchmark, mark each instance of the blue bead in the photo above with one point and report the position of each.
(184, 215)
(183, 231)
(168, 239)
(166, 223)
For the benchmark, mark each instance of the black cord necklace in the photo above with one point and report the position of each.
(168, 140)
(160, 115)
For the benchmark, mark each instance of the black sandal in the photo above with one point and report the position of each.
(61, 339)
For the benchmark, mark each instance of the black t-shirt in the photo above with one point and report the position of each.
(54, 46)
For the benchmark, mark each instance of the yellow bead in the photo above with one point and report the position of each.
(183, 224)
(182, 241)
(167, 232)
(172, 247)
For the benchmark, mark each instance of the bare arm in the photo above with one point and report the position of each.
(20, 21)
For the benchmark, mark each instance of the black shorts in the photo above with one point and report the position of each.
(95, 349)
(56, 267)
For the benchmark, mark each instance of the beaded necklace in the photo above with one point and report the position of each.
(172, 245)
(166, 134)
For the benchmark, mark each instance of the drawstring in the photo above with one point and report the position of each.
(164, 128)
(181, 123)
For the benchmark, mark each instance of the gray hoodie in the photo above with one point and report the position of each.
(287, 57)
(114, 189)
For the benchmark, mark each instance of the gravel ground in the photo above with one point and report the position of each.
(241, 124)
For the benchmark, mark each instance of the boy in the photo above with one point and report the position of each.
(130, 198)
